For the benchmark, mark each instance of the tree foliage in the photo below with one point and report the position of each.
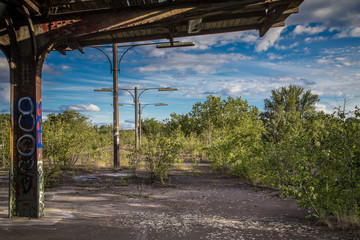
(285, 107)
(4, 140)
(312, 156)
(150, 126)
(67, 136)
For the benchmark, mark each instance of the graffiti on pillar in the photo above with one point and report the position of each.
(39, 124)
(40, 164)
(26, 164)
(61, 28)
(41, 184)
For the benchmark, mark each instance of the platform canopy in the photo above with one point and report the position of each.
(78, 23)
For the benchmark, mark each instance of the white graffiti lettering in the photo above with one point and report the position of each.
(24, 102)
(41, 181)
(26, 145)
(32, 122)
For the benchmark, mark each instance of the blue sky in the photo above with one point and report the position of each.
(318, 49)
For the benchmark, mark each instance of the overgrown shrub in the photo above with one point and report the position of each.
(66, 137)
(4, 140)
(315, 157)
(160, 154)
(134, 159)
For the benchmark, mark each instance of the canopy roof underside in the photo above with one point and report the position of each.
(109, 21)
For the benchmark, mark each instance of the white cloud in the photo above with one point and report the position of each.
(49, 69)
(324, 60)
(315, 39)
(4, 92)
(283, 47)
(269, 40)
(65, 67)
(4, 70)
(349, 32)
(126, 125)
(317, 92)
(157, 52)
(81, 107)
(300, 29)
(200, 63)
(343, 61)
(217, 40)
(321, 108)
(344, 13)
(342, 57)
(3, 63)
(273, 56)
(232, 89)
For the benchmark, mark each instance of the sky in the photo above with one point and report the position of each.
(318, 49)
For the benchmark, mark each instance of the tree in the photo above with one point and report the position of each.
(66, 136)
(286, 106)
(290, 100)
(236, 137)
(150, 126)
(183, 122)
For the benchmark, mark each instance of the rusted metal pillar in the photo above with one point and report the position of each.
(116, 108)
(136, 100)
(139, 128)
(26, 190)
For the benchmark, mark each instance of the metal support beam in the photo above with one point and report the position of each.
(116, 107)
(26, 183)
(136, 118)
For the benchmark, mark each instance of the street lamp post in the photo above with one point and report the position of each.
(116, 109)
(141, 107)
(115, 69)
(136, 99)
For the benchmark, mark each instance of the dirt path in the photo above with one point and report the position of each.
(104, 205)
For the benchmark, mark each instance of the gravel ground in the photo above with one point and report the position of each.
(106, 205)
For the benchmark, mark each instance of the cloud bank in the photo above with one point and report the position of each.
(80, 107)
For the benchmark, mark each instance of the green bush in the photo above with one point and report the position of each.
(69, 135)
(4, 140)
(160, 154)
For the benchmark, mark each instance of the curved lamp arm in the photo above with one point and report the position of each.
(107, 56)
(124, 54)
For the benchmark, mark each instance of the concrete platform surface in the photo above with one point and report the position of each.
(102, 205)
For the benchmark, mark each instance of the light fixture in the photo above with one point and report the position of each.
(175, 44)
(167, 89)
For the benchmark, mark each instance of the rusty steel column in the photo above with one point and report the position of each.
(116, 108)
(136, 100)
(26, 183)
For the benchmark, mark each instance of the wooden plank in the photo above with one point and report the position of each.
(136, 2)
(32, 6)
(292, 10)
(279, 24)
(143, 32)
